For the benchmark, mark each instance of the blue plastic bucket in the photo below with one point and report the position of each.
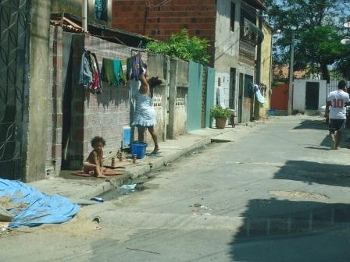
(271, 112)
(138, 149)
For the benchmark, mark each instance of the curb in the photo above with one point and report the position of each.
(139, 171)
(83, 190)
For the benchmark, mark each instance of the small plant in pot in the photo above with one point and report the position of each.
(220, 114)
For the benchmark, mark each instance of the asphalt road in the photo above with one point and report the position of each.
(274, 192)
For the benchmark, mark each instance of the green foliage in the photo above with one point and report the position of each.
(321, 47)
(182, 46)
(318, 27)
(342, 67)
(219, 112)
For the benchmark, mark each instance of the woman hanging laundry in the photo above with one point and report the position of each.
(145, 115)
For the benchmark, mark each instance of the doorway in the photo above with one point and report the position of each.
(232, 98)
(312, 95)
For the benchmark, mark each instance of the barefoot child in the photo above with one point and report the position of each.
(94, 162)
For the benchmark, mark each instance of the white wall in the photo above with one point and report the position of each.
(222, 89)
(299, 93)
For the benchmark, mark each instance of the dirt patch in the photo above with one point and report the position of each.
(299, 195)
(80, 225)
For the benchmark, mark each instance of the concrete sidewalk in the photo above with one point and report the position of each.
(81, 189)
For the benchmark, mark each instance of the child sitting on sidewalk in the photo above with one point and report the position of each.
(94, 163)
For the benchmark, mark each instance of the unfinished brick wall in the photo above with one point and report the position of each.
(54, 96)
(159, 21)
(103, 114)
(88, 114)
(76, 115)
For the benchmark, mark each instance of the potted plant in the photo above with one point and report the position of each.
(220, 114)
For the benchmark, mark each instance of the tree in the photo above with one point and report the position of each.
(182, 46)
(342, 67)
(318, 29)
(321, 47)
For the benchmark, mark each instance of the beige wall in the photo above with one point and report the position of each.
(39, 81)
(266, 74)
(226, 41)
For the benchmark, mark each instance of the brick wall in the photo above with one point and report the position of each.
(89, 114)
(54, 96)
(102, 114)
(160, 21)
(77, 115)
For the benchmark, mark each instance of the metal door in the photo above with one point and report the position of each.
(232, 102)
(14, 17)
(209, 94)
(194, 110)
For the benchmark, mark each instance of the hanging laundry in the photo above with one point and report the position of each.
(89, 75)
(262, 88)
(135, 66)
(260, 98)
(96, 86)
(107, 72)
(118, 72)
(112, 72)
(128, 68)
(85, 74)
(123, 71)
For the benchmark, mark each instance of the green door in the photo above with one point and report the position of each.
(194, 101)
(209, 94)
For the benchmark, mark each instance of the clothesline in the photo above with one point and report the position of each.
(113, 71)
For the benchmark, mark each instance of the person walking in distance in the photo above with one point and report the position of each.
(336, 112)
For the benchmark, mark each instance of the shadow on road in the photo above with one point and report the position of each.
(303, 227)
(313, 172)
(313, 124)
(283, 230)
(322, 125)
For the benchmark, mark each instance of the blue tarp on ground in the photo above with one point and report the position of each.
(31, 207)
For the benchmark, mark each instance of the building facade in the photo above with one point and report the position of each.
(24, 74)
(232, 27)
(46, 119)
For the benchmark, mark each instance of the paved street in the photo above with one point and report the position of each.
(276, 194)
(271, 192)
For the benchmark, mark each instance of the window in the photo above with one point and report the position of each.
(233, 10)
(101, 10)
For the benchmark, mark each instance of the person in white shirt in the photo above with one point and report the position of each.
(336, 112)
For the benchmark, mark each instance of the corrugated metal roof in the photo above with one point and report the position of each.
(72, 23)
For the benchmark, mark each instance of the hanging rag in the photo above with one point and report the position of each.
(107, 71)
(96, 86)
(260, 98)
(118, 72)
(85, 74)
(123, 71)
(128, 68)
(135, 67)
